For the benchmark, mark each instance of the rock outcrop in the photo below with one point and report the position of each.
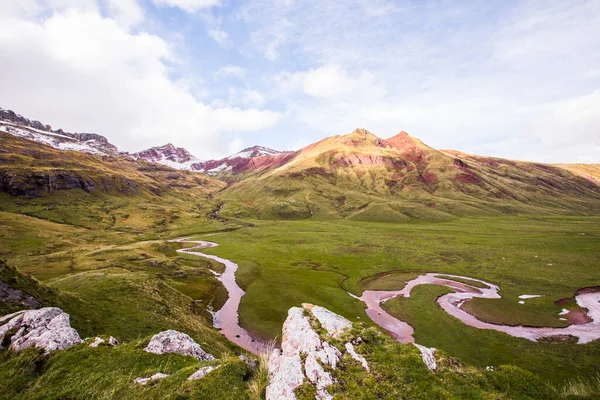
(176, 342)
(428, 356)
(15, 296)
(169, 155)
(301, 346)
(48, 328)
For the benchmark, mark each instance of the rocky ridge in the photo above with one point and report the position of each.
(169, 155)
(18, 125)
(255, 158)
(304, 354)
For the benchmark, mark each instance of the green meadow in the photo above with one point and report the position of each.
(133, 283)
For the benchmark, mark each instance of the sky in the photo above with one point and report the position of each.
(505, 78)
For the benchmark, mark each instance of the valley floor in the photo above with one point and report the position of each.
(133, 284)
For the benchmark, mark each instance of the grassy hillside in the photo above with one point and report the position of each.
(99, 192)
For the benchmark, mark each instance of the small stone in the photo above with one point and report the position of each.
(143, 381)
(427, 355)
(97, 341)
(202, 372)
(249, 362)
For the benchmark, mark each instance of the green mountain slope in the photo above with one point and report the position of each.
(98, 192)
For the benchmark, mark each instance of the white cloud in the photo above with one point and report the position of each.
(455, 75)
(82, 72)
(241, 97)
(252, 98)
(332, 82)
(219, 36)
(235, 146)
(188, 5)
(232, 70)
(126, 12)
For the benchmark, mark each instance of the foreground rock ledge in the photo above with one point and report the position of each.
(300, 339)
(176, 342)
(48, 328)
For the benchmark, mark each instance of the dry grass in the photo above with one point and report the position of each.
(584, 387)
(258, 385)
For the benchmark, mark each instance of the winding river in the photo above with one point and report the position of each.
(227, 318)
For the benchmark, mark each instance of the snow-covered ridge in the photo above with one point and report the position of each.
(235, 163)
(254, 151)
(17, 125)
(169, 155)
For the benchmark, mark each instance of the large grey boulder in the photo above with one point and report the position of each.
(48, 328)
(176, 342)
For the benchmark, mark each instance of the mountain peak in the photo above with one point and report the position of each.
(255, 151)
(169, 155)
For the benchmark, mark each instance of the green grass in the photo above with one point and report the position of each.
(82, 372)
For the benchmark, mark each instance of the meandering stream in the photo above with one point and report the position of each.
(452, 303)
(227, 318)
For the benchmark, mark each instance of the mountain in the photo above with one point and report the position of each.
(252, 159)
(364, 177)
(356, 176)
(169, 155)
(18, 125)
(98, 191)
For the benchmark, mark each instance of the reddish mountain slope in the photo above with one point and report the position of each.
(252, 159)
(360, 175)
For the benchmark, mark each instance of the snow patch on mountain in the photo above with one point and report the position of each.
(55, 140)
(16, 124)
(236, 162)
(169, 155)
(254, 151)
